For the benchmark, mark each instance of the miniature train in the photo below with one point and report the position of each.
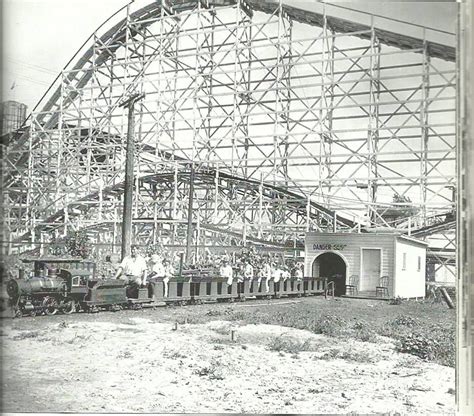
(74, 289)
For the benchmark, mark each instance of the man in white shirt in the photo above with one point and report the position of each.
(276, 273)
(168, 274)
(266, 273)
(276, 276)
(133, 267)
(227, 272)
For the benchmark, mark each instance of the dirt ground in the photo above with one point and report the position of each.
(138, 361)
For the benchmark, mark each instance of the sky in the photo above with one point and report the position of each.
(40, 36)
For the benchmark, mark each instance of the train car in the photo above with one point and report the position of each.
(67, 286)
(90, 294)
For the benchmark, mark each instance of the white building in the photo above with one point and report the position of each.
(369, 256)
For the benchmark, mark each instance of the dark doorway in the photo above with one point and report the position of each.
(332, 266)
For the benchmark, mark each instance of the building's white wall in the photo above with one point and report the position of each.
(410, 283)
(348, 246)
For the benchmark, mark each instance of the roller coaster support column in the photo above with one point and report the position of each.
(189, 237)
(128, 191)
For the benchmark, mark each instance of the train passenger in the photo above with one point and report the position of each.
(238, 271)
(112, 263)
(285, 275)
(133, 267)
(226, 271)
(299, 273)
(168, 274)
(156, 266)
(276, 275)
(248, 271)
(265, 273)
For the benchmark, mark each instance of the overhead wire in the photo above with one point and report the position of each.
(20, 63)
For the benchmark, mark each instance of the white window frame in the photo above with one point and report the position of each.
(404, 261)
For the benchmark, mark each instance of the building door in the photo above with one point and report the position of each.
(371, 262)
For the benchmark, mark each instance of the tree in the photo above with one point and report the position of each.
(77, 244)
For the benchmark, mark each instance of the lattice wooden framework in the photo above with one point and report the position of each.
(292, 120)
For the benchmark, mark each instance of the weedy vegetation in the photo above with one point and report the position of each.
(420, 328)
(290, 345)
(213, 371)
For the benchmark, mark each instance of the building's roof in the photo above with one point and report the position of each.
(394, 234)
(412, 239)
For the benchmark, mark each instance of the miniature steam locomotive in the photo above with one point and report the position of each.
(68, 286)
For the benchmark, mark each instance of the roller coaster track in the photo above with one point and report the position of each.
(115, 36)
(88, 58)
(207, 176)
(448, 223)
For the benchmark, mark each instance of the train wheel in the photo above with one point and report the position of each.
(69, 307)
(50, 306)
(93, 309)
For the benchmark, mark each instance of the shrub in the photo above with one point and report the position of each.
(286, 344)
(404, 320)
(417, 344)
(362, 332)
(222, 330)
(328, 325)
(366, 335)
(445, 351)
(356, 356)
(26, 335)
(213, 371)
(174, 355)
(358, 325)
(236, 316)
(395, 301)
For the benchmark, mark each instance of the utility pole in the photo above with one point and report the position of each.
(189, 237)
(129, 167)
